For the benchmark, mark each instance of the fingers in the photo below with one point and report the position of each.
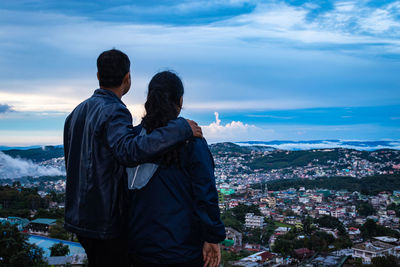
(207, 260)
(196, 129)
(198, 132)
(219, 256)
(206, 254)
(214, 262)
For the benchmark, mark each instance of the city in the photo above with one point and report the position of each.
(274, 213)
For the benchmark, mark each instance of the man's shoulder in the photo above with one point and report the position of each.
(99, 105)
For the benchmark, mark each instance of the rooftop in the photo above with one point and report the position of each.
(44, 221)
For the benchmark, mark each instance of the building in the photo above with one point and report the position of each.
(236, 236)
(371, 249)
(21, 223)
(302, 253)
(221, 198)
(41, 225)
(258, 259)
(327, 260)
(254, 221)
(77, 260)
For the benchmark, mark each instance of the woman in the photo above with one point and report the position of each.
(174, 219)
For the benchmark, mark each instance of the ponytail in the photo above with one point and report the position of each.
(163, 100)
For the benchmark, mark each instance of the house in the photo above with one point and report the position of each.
(76, 260)
(236, 236)
(40, 225)
(254, 221)
(371, 249)
(257, 259)
(302, 253)
(328, 260)
(354, 231)
(21, 223)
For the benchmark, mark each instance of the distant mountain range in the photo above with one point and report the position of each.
(321, 144)
(283, 145)
(333, 154)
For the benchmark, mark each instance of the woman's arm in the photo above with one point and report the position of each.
(205, 192)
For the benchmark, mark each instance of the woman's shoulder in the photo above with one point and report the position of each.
(196, 143)
(197, 149)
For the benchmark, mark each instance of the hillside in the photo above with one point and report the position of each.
(37, 154)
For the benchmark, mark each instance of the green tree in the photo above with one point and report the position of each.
(258, 236)
(308, 225)
(15, 249)
(371, 229)
(240, 211)
(390, 260)
(59, 249)
(58, 231)
(365, 209)
(235, 217)
(331, 222)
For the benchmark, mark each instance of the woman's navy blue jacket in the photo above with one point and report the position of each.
(172, 216)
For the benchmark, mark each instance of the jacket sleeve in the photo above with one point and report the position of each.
(205, 193)
(130, 149)
(66, 140)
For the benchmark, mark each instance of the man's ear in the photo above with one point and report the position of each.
(127, 78)
(98, 78)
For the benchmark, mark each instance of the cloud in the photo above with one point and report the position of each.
(5, 108)
(268, 38)
(14, 168)
(322, 144)
(233, 131)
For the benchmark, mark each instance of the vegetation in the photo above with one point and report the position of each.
(37, 154)
(389, 260)
(58, 231)
(365, 209)
(235, 217)
(19, 201)
(259, 235)
(285, 159)
(331, 222)
(370, 229)
(227, 257)
(15, 249)
(59, 249)
(370, 185)
(394, 207)
(309, 237)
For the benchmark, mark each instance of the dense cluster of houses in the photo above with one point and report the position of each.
(289, 207)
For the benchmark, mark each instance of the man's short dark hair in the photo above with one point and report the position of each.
(112, 66)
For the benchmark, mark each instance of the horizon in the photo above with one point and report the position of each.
(282, 70)
(293, 145)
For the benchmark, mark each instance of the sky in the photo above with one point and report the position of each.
(252, 70)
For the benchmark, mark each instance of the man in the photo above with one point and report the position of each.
(99, 144)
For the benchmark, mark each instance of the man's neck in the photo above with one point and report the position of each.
(116, 91)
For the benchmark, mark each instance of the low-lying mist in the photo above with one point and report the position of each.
(16, 167)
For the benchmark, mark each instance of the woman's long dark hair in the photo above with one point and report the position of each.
(162, 105)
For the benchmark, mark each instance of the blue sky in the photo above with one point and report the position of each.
(252, 70)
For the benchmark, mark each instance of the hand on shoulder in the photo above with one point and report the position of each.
(196, 129)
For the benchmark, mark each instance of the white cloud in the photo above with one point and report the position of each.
(15, 167)
(213, 44)
(233, 131)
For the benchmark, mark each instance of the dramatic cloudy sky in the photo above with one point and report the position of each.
(252, 70)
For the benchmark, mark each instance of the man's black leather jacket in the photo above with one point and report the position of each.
(99, 143)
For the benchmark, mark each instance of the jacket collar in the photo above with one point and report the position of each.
(107, 93)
